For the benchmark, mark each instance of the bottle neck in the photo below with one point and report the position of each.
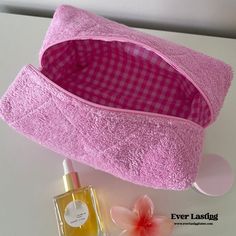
(71, 181)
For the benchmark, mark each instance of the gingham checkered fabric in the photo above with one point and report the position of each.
(124, 75)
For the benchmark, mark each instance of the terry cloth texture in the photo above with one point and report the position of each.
(119, 100)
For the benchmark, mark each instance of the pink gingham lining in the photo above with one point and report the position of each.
(123, 75)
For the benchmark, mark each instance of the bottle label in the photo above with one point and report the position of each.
(76, 213)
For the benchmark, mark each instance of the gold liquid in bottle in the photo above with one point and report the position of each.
(77, 209)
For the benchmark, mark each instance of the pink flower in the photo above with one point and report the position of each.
(140, 221)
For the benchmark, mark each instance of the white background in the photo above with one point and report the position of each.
(204, 16)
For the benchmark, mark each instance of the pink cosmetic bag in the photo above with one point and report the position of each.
(128, 103)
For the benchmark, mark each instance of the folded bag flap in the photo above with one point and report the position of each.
(148, 149)
(209, 76)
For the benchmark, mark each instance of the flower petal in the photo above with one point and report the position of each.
(131, 232)
(162, 226)
(123, 217)
(144, 207)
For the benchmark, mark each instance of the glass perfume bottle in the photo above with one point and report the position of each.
(77, 210)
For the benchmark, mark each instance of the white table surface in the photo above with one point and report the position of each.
(30, 175)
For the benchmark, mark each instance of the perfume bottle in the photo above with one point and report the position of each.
(77, 210)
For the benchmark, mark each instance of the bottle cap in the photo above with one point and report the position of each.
(68, 166)
(70, 177)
